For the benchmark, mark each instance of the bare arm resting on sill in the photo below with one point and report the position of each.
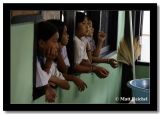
(86, 67)
(110, 61)
(64, 68)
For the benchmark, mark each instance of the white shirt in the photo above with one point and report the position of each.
(91, 43)
(43, 77)
(65, 56)
(86, 41)
(79, 50)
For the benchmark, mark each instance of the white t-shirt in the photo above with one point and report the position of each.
(43, 77)
(65, 56)
(79, 50)
(91, 43)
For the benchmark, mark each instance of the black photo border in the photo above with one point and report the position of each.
(7, 106)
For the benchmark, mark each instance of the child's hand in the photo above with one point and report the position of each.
(101, 72)
(113, 63)
(80, 84)
(59, 82)
(101, 36)
(50, 94)
(88, 47)
(51, 53)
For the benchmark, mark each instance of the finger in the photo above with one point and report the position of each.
(81, 86)
(105, 72)
(52, 52)
(54, 95)
(80, 89)
(49, 49)
(53, 99)
(49, 100)
(102, 75)
(115, 65)
(46, 100)
(47, 52)
(85, 84)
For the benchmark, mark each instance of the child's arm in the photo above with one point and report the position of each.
(61, 64)
(79, 83)
(50, 93)
(47, 65)
(101, 72)
(96, 52)
(50, 54)
(89, 54)
(113, 62)
(101, 38)
(82, 68)
(62, 83)
(99, 60)
(110, 61)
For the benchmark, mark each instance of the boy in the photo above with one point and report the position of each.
(94, 51)
(47, 50)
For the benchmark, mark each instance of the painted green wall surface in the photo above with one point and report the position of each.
(99, 91)
(21, 63)
(142, 71)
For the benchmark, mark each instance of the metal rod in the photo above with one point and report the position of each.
(132, 46)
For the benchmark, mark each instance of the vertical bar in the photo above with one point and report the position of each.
(132, 46)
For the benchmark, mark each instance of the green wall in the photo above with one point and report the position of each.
(142, 71)
(21, 62)
(98, 91)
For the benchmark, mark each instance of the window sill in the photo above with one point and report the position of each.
(109, 54)
(142, 63)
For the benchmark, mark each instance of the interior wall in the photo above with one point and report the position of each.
(21, 63)
(142, 71)
(98, 90)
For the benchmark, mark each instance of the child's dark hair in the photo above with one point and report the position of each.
(80, 18)
(89, 18)
(60, 26)
(45, 30)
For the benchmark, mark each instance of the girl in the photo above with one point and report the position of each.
(62, 59)
(82, 63)
(93, 51)
(47, 50)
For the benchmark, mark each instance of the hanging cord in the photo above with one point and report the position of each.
(132, 46)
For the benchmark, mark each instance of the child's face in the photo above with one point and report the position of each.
(50, 47)
(90, 28)
(65, 37)
(83, 27)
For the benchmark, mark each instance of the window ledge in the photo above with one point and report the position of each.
(142, 63)
(110, 54)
